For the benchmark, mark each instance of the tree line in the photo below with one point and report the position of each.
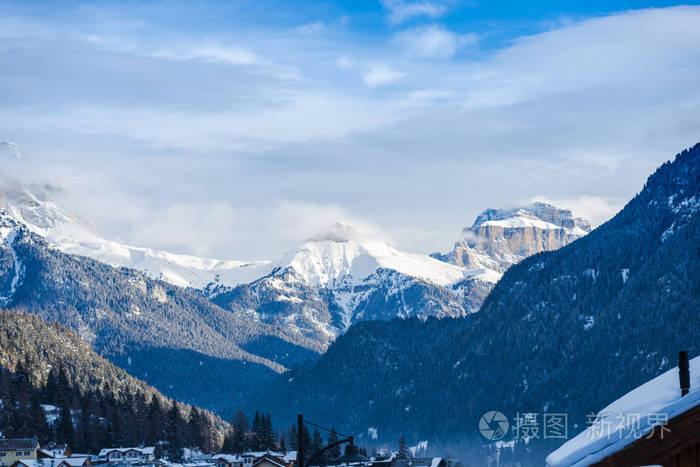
(94, 419)
(261, 436)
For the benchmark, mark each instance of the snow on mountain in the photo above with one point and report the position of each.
(341, 277)
(177, 269)
(33, 207)
(342, 259)
(500, 238)
(332, 280)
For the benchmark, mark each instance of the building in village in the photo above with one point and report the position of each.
(129, 455)
(55, 450)
(12, 450)
(54, 462)
(657, 423)
(29, 453)
(256, 459)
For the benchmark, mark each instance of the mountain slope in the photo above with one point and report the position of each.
(47, 361)
(562, 332)
(170, 335)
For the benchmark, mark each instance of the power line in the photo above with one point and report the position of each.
(326, 429)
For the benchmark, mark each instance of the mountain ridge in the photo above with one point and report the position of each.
(563, 331)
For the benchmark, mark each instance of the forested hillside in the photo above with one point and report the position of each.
(96, 403)
(564, 331)
(174, 338)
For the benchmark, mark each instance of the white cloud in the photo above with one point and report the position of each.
(581, 113)
(215, 229)
(401, 11)
(430, 94)
(10, 148)
(596, 209)
(381, 75)
(345, 62)
(433, 41)
(314, 27)
(232, 55)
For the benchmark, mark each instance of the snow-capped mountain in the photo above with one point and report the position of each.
(332, 280)
(500, 238)
(339, 278)
(33, 207)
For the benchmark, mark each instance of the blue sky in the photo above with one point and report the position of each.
(239, 128)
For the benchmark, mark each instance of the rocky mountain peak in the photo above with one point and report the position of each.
(499, 238)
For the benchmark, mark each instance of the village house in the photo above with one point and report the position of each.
(418, 462)
(14, 449)
(657, 423)
(256, 459)
(54, 462)
(271, 460)
(56, 450)
(128, 455)
(228, 460)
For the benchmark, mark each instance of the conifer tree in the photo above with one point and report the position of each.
(316, 446)
(293, 438)
(404, 453)
(65, 432)
(258, 443)
(174, 434)
(334, 452)
(282, 444)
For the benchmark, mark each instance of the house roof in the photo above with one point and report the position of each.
(630, 417)
(229, 457)
(271, 458)
(74, 461)
(29, 462)
(19, 443)
(262, 453)
(146, 450)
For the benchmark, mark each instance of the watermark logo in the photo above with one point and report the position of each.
(493, 425)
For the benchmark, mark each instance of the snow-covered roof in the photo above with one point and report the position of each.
(228, 457)
(74, 461)
(32, 462)
(290, 456)
(630, 417)
(47, 452)
(272, 458)
(262, 453)
(50, 462)
(146, 450)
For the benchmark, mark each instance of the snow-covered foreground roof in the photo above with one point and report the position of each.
(629, 418)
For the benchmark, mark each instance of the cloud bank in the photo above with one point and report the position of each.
(234, 142)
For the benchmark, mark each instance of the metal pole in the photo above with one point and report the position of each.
(300, 441)
(684, 372)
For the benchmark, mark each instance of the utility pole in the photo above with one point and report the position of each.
(684, 372)
(300, 440)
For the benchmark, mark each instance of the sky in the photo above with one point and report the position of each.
(238, 129)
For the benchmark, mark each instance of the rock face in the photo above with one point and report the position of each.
(500, 238)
